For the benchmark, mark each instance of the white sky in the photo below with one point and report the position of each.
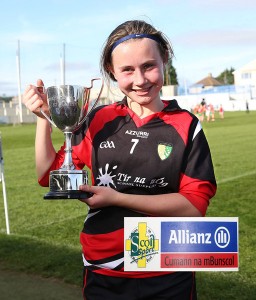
(207, 36)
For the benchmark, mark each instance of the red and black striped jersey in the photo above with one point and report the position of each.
(166, 152)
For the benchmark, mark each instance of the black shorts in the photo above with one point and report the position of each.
(174, 286)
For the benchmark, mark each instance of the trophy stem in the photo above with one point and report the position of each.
(68, 163)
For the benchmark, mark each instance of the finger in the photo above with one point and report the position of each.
(85, 188)
(39, 82)
(89, 189)
(41, 89)
(34, 104)
(40, 86)
(29, 93)
(32, 100)
(28, 88)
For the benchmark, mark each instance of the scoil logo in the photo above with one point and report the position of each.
(142, 245)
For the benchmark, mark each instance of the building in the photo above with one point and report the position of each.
(246, 75)
(204, 84)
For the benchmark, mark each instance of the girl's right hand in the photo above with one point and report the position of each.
(35, 99)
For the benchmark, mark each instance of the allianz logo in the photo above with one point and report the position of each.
(107, 144)
(221, 237)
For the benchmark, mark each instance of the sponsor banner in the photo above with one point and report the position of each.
(199, 260)
(181, 244)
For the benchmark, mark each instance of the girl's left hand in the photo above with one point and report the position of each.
(102, 196)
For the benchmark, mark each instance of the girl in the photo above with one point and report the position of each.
(148, 157)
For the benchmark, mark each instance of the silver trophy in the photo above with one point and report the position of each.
(69, 106)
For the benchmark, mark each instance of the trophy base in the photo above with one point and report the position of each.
(58, 195)
(64, 184)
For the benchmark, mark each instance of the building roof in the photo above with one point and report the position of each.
(209, 81)
(251, 66)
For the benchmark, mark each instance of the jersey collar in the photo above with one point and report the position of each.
(169, 105)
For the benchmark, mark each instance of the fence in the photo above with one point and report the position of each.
(230, 97)
(10, 114)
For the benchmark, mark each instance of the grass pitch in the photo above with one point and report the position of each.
(44, 236)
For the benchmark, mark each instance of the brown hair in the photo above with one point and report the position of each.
(127, 28)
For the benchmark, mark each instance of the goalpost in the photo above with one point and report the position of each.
(4, 189)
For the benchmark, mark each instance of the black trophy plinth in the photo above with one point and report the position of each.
(62, 195)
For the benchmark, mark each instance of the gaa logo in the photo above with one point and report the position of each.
(142, 245)
(107, 144)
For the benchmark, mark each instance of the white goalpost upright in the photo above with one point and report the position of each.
(4, 189)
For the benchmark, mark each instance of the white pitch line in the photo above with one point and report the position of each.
(236, 177)
(55, 222)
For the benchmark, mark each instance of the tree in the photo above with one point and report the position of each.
(5, 98)
(170, 75)
(226, 77)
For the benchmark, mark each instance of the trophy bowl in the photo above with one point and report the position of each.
(69, 106)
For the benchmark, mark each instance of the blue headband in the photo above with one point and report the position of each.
(135, 36)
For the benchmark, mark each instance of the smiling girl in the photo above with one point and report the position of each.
(148, 157)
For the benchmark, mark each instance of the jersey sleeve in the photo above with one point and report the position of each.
(197, 181)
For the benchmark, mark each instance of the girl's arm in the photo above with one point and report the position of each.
(168, 205)
(45, 153)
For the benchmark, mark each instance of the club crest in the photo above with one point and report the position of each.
(164, 150)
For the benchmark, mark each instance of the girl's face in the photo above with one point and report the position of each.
(138, 68)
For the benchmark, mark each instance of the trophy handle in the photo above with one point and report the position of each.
(45, 115)
(87, 95)
(101, 89)
(41, 90)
